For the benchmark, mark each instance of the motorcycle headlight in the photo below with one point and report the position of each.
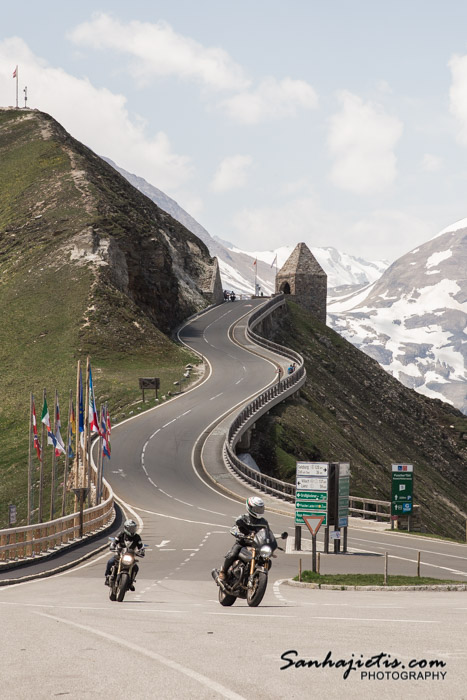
(266, 550)
(128, 559)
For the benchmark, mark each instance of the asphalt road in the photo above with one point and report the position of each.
(171, 638)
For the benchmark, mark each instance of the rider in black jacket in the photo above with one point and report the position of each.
(128, 537)
(248, 524)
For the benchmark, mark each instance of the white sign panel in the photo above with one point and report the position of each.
(312, 468)
(312, 483)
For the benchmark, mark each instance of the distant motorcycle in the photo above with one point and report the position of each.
(122, 573)
(248, 575)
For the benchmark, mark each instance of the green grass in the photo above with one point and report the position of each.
(371, 580)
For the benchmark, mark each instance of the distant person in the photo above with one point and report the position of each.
(232, 296)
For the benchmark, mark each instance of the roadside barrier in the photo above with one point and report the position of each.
(42, 539)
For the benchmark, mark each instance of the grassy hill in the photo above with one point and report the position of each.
(352, 410)
(88, 266)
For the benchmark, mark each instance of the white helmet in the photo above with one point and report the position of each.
(255, 506)
(130, 527)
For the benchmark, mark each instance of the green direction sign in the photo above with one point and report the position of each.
(402, 489)
(311, 494)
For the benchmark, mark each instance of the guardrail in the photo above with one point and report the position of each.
(29, 541)
(261, 405)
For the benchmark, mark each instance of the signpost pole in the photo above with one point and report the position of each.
(313, 540)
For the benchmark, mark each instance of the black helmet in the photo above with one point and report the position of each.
(130, 527)
(255, 506)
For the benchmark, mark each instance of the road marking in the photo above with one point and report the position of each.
(216, 396)
(169, 423)
(186, 413)
(184, 502)
(165, 494)
(174, 665)
(163, 543)
(246, 614)
(423, 551)
(157, 431)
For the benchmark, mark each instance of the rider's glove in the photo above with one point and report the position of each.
(141, 552)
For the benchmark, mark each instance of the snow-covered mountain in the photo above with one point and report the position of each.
(413, 320)
(237, 268)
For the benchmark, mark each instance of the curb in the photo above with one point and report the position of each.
(336, 587)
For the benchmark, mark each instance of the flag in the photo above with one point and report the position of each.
(15, 73)
(93, 419)
(45, 419)
(105, 432)
(81, 404)
(59, 446)
(71, 432)
(274, 261)
(37, 444)
(254, 264)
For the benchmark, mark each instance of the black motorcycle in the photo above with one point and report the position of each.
(123, 572)
(248, 575)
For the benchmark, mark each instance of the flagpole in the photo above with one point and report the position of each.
(30, 461)
(100, 461)
(16, 72)
(86, 466)
(67, 454)
(41, 469)
(54, 466)
(77, 436)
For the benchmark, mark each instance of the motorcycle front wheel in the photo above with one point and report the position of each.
(226, 599)
(256, 593)
(123, 586)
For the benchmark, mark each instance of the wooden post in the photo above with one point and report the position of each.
(418, 565)
(385, 568)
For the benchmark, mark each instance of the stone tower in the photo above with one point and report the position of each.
(305, 280)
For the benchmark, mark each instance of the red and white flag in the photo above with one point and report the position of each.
(254, 264)
(15, 73)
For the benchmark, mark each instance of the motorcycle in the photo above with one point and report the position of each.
(248, 575)
(123, 572)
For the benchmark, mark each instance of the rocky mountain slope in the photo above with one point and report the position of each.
(413, 320)
(237, 266)
(350, 409)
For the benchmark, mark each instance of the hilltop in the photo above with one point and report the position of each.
(351, 409)
(88, 265)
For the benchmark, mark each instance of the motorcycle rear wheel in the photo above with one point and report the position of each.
(225, 598)
(255, 594)
(123, 586)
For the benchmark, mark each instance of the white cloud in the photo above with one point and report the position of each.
(458, 94)
(272, 99)
(232, 173)
(298, 219)
(431, 163)
(361, 140)
(97, 117)
(157, 50)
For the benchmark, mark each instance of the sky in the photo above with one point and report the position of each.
(338, 124)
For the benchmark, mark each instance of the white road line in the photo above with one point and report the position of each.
(165, 493)
(169, 423)
(152, 482)
(413, 548)
(184, 502)
(174, 665)
(186, 413)
(216, 396)
(154, 434)
(247, 614)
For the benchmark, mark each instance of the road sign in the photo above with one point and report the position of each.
(12, 514)
(313, 523)
(402, 489)
(311, 493)
(343, 491)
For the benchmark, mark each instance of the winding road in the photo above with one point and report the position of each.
(171, 638)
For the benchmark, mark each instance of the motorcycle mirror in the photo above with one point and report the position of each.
(284, 535)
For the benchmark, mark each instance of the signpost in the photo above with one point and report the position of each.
(12, 514)
(402, 490)
(149, 383)
(311, 495)
(313, 523)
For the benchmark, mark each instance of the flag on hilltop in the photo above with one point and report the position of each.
(45, 419)
(81, 404)
(59, 446)
(254, 264)
(37, 444)
(93, 418)
(15, 72)
(274, 261)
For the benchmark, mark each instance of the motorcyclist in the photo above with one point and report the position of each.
(128, 537)
(248, 524)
